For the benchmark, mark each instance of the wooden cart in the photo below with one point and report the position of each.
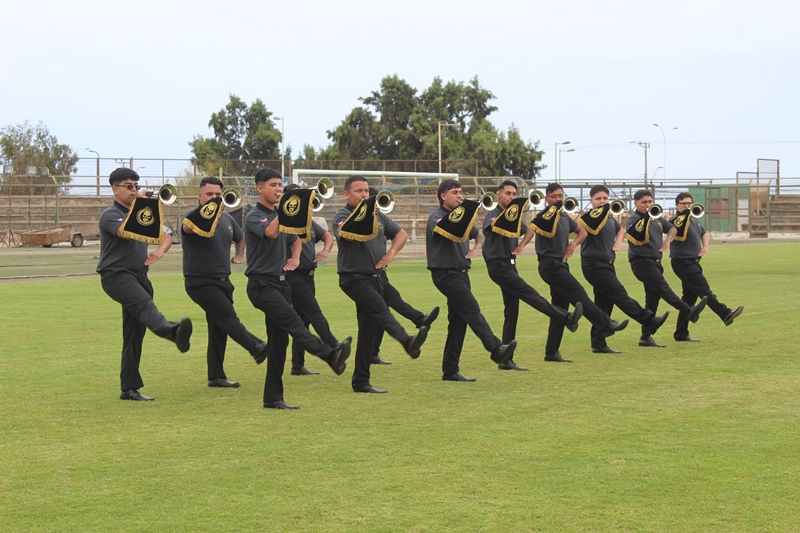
(49, 236)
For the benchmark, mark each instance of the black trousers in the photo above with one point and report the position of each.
(215, 297)
(395, 301)
(695, 286)
(304, 301)
(134, 292)
(651, 273)
(565, 290)
(462, 311)
(273, 296)
(514, 288)
(608, 292)
(373, 317)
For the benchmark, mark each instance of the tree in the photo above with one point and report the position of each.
(242, 133)
(26, 146)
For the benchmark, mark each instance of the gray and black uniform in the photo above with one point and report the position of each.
(206, 274)
(597, 264)
(304, 299)
(450, 273)
(646, 265)
(123, 275)
(269, 292)
(686, 265)
(364, 284)
(564, 288)
(498, 252)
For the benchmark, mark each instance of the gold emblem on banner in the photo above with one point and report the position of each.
(145, 216)
(596, 213)
(512, 213)
(209, 210)
(456, 215)
(640, 225)
(551, 212)
(292, 206)
(679, 221)
(362, 214)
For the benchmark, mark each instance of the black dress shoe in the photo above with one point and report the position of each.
(428, 319)
(339, 355)
(614, 326)
(573, 317)
(650, 342)
(511, 365)
(686, 339)
(504, 353)
(556, 358)
(370, 390)
(222, 382)
(184, 334)
(135, 395)
(656, 322)
(605, 349)
(729, 318)
(377, 360)
(694, 311)
(261, 352)
(416, 342)
(280, 404)
(458, 376)
(303, 371)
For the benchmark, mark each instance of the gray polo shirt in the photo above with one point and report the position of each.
(210, 257)
(556, 246)
(264, 255)
(357, 257)
(658, 228)
(690, 248)
(309, 251)
(498, 246)
(118, 254)
(442, 252)
(601, 246)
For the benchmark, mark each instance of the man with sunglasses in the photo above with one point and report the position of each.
(123, 267)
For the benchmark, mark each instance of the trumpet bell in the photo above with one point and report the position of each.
(570, 205)
(617, 207)
(536, 198)
(231, 198)
(489, 201)
(655, 211)
(317, 203)
(325, 188)
(385, 202)
(168, 193)
(698, 210)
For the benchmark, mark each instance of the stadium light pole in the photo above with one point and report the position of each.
(663, 136)
(283, 173)
(98, 169)
(555, 159)
(645, 146)
(558, 179)
(440, 140)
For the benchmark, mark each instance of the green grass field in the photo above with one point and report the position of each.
(700, 437)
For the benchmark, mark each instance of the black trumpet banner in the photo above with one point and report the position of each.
(294, 213)
(595, 219)
(362, 224)
(144, 221)
(203, 220)
(509, 222)
(457, 225)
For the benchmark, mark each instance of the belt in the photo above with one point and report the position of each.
(512, 261)
(215, 278)
(274, 277)
(308, 273)
(375, 275)
(643, 258)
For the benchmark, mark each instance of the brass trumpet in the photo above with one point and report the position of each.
(231, 198)
(317, 203)
(617, 207)
(324, 189)
(488, 201)
(655, 211)
(698, 210)
(384, 201)
(168, 193)
(536, 198)
(570, 205)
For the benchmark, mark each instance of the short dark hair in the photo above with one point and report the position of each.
(596, 189)
(506, 183)
(352, 179)
(641, 193)
(445, 186)
(266, 174)
(553, 187)
(683, 196)
(121, 174)
(210, 180)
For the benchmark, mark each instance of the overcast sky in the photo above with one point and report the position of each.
(141, 78)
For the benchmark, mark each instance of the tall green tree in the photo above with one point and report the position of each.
(26, 145)
(242, 133)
